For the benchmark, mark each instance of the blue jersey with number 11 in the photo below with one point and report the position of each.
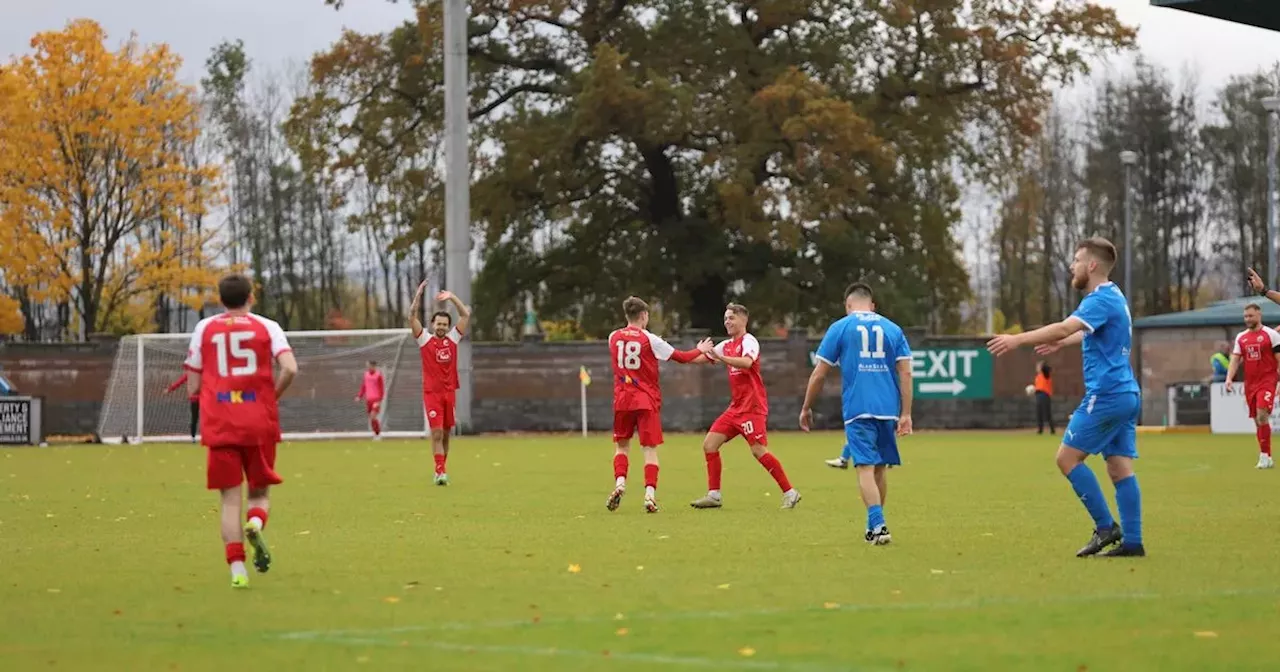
(867, 347)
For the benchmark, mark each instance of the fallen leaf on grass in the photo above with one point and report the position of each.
(391, 599)
(830, 605)
(937, 571)
(622, 632)
(746, 651)
(304, 533)
(618, 616)
(723, 586)
(55, 590)
(574, 569)
(639, 568)
(1207, 634)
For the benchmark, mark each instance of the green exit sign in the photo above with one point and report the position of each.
(949, 373)
(952, 373)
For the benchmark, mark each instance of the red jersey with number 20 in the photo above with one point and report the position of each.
(635, 355)
(1257, 350)
(233, 355)
(745, 385)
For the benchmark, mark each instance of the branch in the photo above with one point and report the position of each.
(508, 95)
(541, 64)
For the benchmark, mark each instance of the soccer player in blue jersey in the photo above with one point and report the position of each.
(1107, 420)
(875, 396)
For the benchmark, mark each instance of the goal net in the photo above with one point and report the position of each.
(320, 404)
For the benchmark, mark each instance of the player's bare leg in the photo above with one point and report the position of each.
(233, 536)
(869, 488)
(882, 483)
(650, 478)
(621, 464)
(440, 451)
(255, 520)
(790, 496)
(1262, 419)
(711, 451)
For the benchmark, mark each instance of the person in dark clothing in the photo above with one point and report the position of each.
(194, 400)
(1044, 398)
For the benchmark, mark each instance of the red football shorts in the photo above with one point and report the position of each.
(750, 426)
(1261, 398)
(647, 423)
(230, 465)
(439, 408)
(373, 407)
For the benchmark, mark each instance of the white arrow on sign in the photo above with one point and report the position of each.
(953, 386)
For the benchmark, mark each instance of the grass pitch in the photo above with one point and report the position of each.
(112, 561)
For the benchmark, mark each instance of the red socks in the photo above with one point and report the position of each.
(774, 467)
(620, 466)
(713, 470)
(440, 457)
(235, 552)
(651, 476)
(377, 428)
(257, 512)
(1264, 438)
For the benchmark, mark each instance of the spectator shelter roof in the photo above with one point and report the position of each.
(1222, 313)
(1259, 13)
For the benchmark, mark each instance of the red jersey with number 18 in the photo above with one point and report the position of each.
(1256, 348)
(635, 355)
(233, 354)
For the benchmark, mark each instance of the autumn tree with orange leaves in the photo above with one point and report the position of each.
(99, 184)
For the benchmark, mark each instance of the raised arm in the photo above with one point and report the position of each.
(415, 310)
(464, 311)
(1051, 333)
(1260, 288)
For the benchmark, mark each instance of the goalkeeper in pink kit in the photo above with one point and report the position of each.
(372, 392)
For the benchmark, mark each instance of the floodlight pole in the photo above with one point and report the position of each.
(457, 196)
(1272, 105)
(1129, 159)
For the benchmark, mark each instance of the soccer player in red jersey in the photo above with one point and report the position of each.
(372, 391)
(1256, 347)
(439, 351)
(748, 410)
(231, 356)
(193, 399)
(637, 397)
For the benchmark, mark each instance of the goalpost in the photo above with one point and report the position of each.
(319, 405)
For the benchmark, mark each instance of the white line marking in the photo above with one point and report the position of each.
(972, 603)
(551, 651)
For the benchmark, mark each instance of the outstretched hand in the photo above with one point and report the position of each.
(1255, 281)
(1048, 348)
(1002, 344)
(444, 296)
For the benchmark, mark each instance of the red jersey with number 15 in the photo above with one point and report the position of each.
(1257, 349)
(746, 387)
(439, 361)
(635, 356)
(233, 355)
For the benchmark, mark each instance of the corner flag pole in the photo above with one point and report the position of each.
(584, 377)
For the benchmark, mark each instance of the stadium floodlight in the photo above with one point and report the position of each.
(320, 405)
(1272, 105)
(1129, 159)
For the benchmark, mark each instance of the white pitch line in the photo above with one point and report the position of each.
(954, 605)
(551, 651)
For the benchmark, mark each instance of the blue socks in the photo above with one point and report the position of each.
(1090, 493)
(1129, 501)
(875, 516)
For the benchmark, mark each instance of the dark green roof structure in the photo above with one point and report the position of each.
(1258, 13)
(1222, 313)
